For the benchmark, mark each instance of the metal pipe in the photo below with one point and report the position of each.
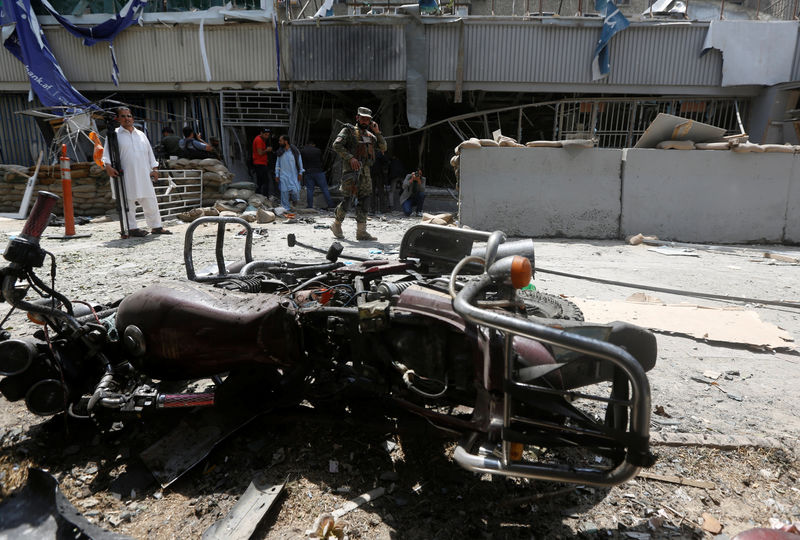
(640, 393)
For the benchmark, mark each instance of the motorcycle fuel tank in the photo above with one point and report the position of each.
(182, 330)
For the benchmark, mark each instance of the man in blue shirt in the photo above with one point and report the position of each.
(288, 171)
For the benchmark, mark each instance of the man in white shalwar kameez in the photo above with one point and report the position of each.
(140, 170)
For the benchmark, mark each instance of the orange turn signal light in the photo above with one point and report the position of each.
(520, 271)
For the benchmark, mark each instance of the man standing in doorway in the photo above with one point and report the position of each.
(262, 150)
(140, 171)
(356, 145)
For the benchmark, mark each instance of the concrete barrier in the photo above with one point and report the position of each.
(706, 196)
(689, 196)
(541, 191)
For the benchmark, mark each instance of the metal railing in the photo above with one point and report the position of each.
(179, 190)
(618, 123)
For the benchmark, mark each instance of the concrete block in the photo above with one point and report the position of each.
(792, 231)
(561, 192)
(705, 196)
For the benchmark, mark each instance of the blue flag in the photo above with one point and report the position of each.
(29, 45)
(613, 22)
(105, 31)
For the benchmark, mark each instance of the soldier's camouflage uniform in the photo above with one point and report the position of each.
(351, 142)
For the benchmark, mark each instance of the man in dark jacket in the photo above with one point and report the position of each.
(314, 175)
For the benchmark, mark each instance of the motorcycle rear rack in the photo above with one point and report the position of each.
(635, 440)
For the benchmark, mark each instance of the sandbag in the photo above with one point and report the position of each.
(676, 145)
(242, 185)
(780, 148)
(209, 162)
(747, 147)
(488, 142)
(469, 143)
(578, 143)
(543, 144)
(713, 146)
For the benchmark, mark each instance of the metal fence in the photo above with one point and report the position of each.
(179, 191)
(619, 123)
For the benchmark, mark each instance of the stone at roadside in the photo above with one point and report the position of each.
(264, 216)
(257, 200)
(711, 524)
(191, 215)
(210, 211)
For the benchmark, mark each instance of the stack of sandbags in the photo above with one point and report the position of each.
(13, 179)
(91, 194)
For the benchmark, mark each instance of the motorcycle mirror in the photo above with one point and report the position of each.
(291, 239)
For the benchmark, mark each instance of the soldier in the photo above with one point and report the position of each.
(356, 146)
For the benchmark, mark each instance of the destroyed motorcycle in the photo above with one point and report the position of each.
(448, 331)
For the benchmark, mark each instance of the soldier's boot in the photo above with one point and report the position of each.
(336, 229)
(362, 234)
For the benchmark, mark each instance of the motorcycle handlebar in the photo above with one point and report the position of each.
(40, 216)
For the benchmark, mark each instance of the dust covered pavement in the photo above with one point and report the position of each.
(724, 396)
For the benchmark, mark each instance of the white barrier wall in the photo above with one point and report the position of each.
(689, 196)
(792, 231)
(541, 191)
(705, 195)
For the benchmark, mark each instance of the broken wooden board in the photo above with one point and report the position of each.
(709, 440)
(243, 519)
(733, 325)
(667, 127)
(676, 480)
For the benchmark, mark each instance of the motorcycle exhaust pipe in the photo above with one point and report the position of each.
(47, 397)
(16, 355)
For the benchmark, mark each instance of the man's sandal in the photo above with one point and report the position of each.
(161, 230)
(137, 232)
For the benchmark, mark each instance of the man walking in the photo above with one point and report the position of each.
(314, 175)
(140, 170)
(288, 171)
(356, 145)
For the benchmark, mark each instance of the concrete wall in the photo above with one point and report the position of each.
(689, 196)
(542, 191)
(792, 230)
(706, 196)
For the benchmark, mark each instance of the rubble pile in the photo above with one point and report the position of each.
(240, 200)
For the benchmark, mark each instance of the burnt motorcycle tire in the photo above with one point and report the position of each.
(549, 306)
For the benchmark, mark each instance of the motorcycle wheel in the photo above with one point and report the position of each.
(549, 306)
